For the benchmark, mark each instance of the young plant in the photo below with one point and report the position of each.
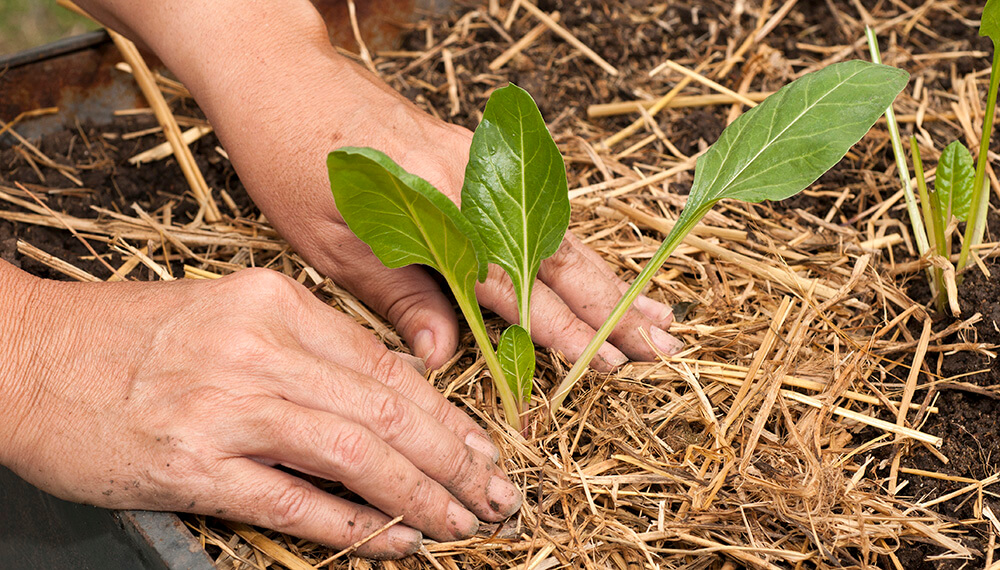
(771, 152)
(515, 211)
(960, 190)
(975, 227)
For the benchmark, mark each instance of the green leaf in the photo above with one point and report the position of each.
(784, 144)
(954, 182)
(515, 189)
(990, 26)
(517, 358)
(771, 152)
(403, 218)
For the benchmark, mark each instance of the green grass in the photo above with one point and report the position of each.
(29, 23)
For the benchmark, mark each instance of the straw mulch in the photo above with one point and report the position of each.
(780, 437)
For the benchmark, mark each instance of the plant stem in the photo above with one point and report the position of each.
(524, 306)
(934, 222)
(975, 226)
(473, 316)
(925, 199)
(919, 234)
(674, 238)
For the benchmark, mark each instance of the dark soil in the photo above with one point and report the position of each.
(969, 421)
(111, 183)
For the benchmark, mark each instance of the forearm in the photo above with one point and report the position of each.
(224, 46)
(18, 293)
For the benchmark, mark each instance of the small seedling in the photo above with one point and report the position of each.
(515, 212)
(976, 226)
(960, 191)
(515, 207)
(771, 152)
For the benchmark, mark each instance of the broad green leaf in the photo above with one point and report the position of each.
(956, 173)
(990, 25)
(771, 152)
(517, 358)
(784, 144)
(515, 190)
(403, 218)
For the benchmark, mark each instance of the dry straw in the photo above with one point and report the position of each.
(778, 439)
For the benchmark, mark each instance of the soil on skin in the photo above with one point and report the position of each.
(969, 420)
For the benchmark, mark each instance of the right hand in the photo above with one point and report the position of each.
(184, 396)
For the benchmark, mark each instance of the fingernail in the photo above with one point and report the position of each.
(611, 356)
(654, 310)
(403, 539)
(423, 344)
(504, 498)
(463, 523)
(481, 443)
(666, 343)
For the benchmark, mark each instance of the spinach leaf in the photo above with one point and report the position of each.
(771, 152)
(405, 220)
(954, 183)
(975, 228)
(517, 357)
(515, 191)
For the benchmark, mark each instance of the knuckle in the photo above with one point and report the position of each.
(463, 469)
(289, 506)
(349, 447)
(406, 308)
(265, 285)
(386, 366)
(248, 348)
(499, 286)
(390, 414)
(565, 259)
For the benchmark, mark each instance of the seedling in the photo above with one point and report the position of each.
(976, 226)
(960, 192)
(771, 152)
(515, 212)
(515, 208)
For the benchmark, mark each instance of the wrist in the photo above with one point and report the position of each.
(18, 294)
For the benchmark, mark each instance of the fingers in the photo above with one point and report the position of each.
(328, 334)
(367, 462)
(553, 324)
(410, 430)
(408, 297)
(256, 494)
(574, 263)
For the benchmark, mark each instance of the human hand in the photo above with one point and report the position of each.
(184, 396)
(283, 168)
(280, 99)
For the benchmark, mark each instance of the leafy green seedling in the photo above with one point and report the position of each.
(515, 213)
(771, 152)
(975, 227)
(952, 197)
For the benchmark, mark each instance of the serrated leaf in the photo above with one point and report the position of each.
(517, 359)
(784, 144)
(956, 174)
(990, 25)
(515, 189)
(403, 218)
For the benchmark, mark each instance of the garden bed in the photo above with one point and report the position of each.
(813, 305)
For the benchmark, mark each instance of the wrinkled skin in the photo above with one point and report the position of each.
(184, 396)
(209, 383)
